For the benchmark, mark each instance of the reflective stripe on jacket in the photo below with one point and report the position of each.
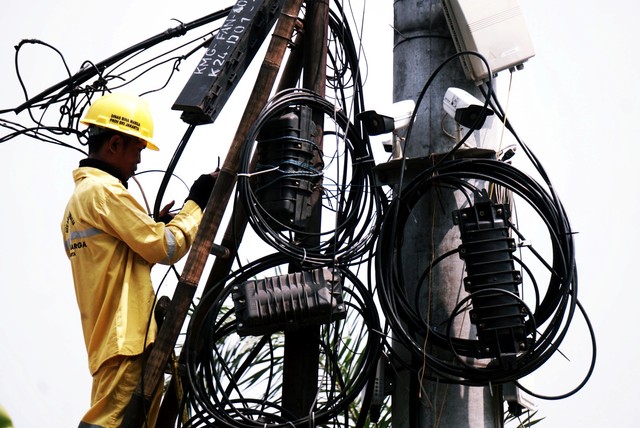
(112, 243)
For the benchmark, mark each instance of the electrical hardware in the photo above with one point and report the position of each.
(493, 28)
(288, 302)
(492, 279)
(226, 59)
(285, 175)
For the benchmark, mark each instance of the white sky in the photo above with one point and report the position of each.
(575, 104)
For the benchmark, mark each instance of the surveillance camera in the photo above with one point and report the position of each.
(465, 109)
(391, 119)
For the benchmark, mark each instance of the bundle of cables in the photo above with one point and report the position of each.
(351, 206)
(456, 359)
(236, 381)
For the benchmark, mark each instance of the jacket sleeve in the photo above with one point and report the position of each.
(123, 217)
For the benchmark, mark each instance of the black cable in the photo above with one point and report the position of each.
(215, 378)
(19, 75)
(359, 204)
(587, 376)
(422, 94)
(407, 320)
(171, 168)
(74, 96)
(86, 74)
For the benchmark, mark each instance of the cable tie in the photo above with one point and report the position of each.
(251, 174)
(363, 159)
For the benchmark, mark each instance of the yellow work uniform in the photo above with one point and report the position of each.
(112, 244)
(113, 385)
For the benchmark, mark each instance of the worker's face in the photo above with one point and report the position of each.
(127, 155)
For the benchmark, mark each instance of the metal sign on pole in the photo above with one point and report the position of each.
(226, 59)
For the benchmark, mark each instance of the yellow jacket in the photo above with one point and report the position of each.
(112, 244)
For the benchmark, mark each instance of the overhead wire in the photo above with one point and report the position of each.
(74, 96)
(558, 304)
(364, 226)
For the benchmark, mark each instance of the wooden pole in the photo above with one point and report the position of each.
(301, 350)
(194, 266)
(232, 237)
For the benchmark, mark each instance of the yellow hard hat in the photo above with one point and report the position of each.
(126, 113)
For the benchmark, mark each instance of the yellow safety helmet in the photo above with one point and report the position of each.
(126, 113)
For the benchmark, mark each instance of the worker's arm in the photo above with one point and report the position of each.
(156, 242)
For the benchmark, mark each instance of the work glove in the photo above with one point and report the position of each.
(201, 189)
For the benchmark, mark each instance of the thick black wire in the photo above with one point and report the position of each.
(87, 73)
(17, 68)
(495, 103)
(74, 97)
(233, 424)
(558, 303)
(587, 376)
(359, 213)
(544, 310)
(210, 398)
(171, 168)
(423, 93)
(349, 210)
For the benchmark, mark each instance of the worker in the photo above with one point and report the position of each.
(112, 243)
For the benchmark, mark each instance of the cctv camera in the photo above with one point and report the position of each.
(391, 119)
(465, 109)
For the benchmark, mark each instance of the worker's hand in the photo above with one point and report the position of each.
(201, 189)
(165, 215)
(165, 211)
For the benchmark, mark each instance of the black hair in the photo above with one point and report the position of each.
(97, 137)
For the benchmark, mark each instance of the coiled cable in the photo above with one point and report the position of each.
(555, 309)
(236, 381)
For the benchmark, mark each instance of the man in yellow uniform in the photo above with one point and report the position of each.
(112, 243)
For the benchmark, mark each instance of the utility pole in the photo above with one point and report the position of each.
(301, 352)
(422, 42)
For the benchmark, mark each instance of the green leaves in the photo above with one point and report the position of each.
(5, 420)
(527, 422)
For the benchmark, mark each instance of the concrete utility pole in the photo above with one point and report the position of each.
(422, 42)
